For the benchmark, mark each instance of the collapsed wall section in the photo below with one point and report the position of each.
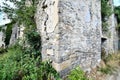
(70, 32)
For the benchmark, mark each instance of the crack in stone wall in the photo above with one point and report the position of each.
(71, 33)
(47, 20)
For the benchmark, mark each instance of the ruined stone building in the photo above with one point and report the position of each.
(110, 38)
(71, 33)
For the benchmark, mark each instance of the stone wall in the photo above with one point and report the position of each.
(110, 44)
(70, 32)
(2, 38)
(15, 34)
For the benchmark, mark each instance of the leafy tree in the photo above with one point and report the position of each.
(24, 14)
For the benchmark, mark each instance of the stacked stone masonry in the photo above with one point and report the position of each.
(110, 38)
(71, 33)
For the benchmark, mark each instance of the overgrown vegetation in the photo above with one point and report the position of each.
(8, 33)
(117, 13)
(2, 50)
(106, 11)
(77, 74)
(24, 62)
(18, 65)
(106, 70)
(23, 14)
(112, 62)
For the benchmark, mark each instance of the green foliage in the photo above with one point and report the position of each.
(108, 58)
(105, 26)
(77, 74)
(2, 29)
(16, 65)
(106, 70)
(2, 50)
(117, 13)
(33, 38)
(24, 63)
(103, 53)
(8, 32)
(106, 11)
(112, 63)
(8, 65)
(24, 14)
(118, 27)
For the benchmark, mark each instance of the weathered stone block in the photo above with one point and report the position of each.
(50, 52)
(73, 29)
(61, 66)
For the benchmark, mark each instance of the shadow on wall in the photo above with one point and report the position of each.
(103, 47)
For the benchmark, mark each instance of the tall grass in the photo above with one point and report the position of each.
(17, 65)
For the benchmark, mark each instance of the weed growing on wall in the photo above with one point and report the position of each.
(106, 11)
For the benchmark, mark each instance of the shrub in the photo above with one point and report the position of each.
(15, 65)
(106, 9)
(105, 26)
(2, 50)
(77, 74)
(8, 33)
(106, 70)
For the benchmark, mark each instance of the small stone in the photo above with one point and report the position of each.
(50, 52)
(61, 66)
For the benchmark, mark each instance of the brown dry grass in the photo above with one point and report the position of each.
(106, 67)
(113, 60)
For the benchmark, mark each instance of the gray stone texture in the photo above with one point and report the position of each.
(2, 39)
(111, 43)
(71, 33)
(15, 34)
